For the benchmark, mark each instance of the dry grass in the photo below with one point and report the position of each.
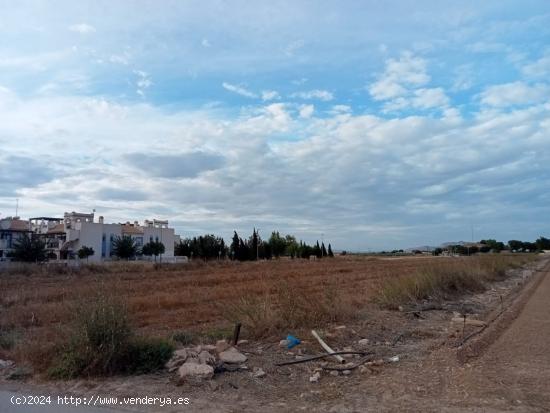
(202, 299)
(444, 279)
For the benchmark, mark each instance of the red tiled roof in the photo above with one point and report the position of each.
(58, 229)
(18, 225)
(131, 229)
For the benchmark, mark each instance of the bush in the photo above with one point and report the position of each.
(284, 306)
(102, 343)
(146, 355)
(446, 279)
(8, 339)
(183, 337)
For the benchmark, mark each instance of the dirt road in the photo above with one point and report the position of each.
(514, 372)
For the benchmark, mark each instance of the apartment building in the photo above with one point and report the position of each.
(65, 236)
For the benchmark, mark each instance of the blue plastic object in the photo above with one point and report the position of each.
(292, 341)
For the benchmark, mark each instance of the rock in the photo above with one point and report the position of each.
(181, 353)
(178, 358)
(232, 356)
(173, 364)
(221, 346)
(378, 362)
(209, 347)
(196, 372)
(4, 364)
(258, 373)
(214, 386)
(334, 373)
(283, 343)
(346, 372)
(393, 359)
(206, 358)
(364, 342)
(315, 378)
(363, 370)
(242, 342)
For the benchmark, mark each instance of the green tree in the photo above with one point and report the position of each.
(292, 246)
(125, 247)
(85, 252)
(254, 243)
(154, 248)
(234, 248)
(493, 244)
(543, 243)
(330, 253)
(323, 250)
(277, 243)
(29, 248)
(317, 250)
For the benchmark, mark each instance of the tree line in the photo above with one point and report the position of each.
(492, 245)
(32, 248)
(251, 248)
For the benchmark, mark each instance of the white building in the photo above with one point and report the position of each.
(82, 231)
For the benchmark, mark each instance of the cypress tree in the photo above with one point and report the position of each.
(235, 245)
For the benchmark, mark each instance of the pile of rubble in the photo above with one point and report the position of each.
(199, 363)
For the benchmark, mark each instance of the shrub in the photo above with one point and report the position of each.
(445, 279)
(284, 306)
(183, 337)
(102, 343)
(146, 355)
(8, 339)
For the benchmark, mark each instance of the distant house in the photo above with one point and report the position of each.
(82, 231)
(11, 230)
(65, 236)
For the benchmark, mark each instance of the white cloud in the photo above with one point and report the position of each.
(306, 111)
(399, 74)
(82, 28)
(123, 59)
(291, 49)
(380, 172)
(205, 43)
(514, 93)
(340, 109)
(430, 98)
(270, 95)
(143, 82)
(239, 90)
(463, 77)
(539, 68)
(319, 94)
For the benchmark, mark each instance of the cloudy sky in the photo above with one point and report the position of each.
(380, 124)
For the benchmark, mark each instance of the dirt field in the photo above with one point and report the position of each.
(428, 376)
(193, 297)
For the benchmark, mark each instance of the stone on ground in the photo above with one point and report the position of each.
(196, 372)
(232, 356)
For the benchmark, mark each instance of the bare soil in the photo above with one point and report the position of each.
(504, 368)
